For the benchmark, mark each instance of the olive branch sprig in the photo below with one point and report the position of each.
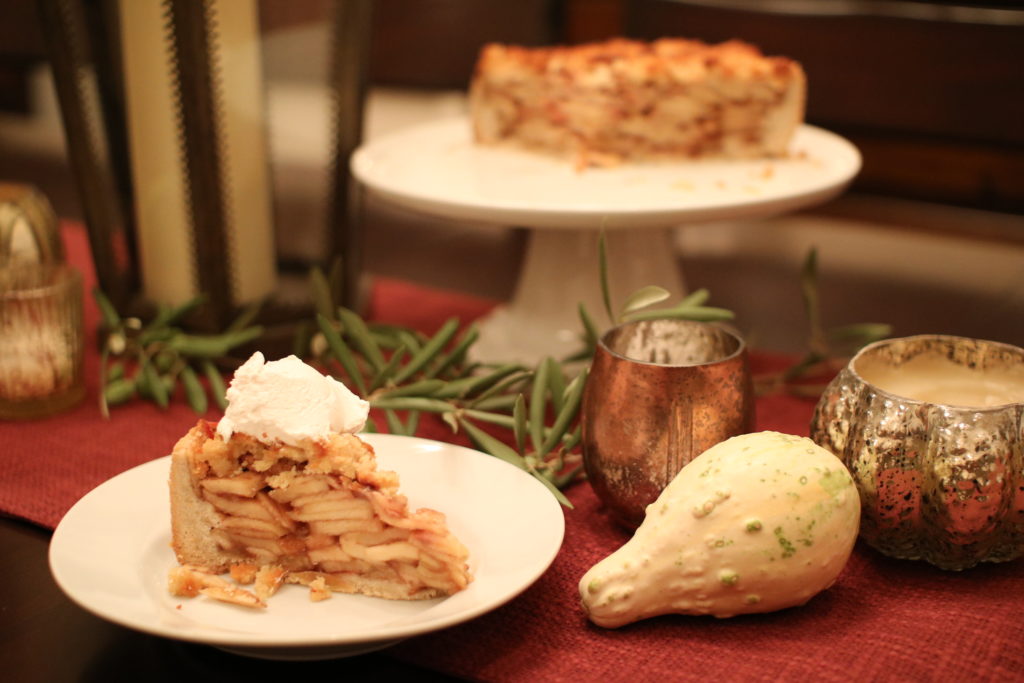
(405, 373)
(825, 345)
(638, 306)
(527, 416)
(149, 360)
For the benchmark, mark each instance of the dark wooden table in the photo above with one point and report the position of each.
(46, 637)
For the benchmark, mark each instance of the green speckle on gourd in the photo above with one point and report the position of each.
(834, 482)
(803, 480)
(728, 577)
(787, 548)
(752, 599)
(753, 525)
(594, 586)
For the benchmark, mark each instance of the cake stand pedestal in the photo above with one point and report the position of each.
(559, 274)
(436, 169)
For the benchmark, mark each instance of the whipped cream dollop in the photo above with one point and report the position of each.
(286, 400)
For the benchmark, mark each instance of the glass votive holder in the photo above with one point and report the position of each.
(659, 393)
(41, 340)
(931, 428)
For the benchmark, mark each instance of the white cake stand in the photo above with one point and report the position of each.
(436, 169)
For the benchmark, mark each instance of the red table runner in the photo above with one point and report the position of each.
(883, 620)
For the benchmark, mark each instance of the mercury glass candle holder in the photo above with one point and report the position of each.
(41, 340)
(659, 393)
(931, 429)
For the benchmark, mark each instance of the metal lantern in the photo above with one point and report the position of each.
(174, 139)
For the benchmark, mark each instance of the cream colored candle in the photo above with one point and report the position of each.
(158, 166)
(936, 379)
(243, 126)
(161, 202)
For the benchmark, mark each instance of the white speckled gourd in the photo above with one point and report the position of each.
(756, 523)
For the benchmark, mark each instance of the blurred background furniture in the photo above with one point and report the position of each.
(930, 237)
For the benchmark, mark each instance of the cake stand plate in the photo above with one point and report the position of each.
(436, 169)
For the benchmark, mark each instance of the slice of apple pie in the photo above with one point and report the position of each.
(309, 510)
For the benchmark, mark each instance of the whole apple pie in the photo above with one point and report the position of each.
(625, 100)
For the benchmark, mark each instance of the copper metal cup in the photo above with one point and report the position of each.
(659, 393)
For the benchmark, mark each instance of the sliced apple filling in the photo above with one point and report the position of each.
(320, 515)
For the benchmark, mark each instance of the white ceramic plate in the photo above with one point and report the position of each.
(435, 168)
(111, 554)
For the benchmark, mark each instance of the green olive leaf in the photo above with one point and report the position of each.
(511, 376)
(108, 314)
(412, 424)
(550, 485)
(590, 335)
(216, 381)
(491, 445)
(341, 353)
(506, 421)
(395, 425)
(458, 353)
(429, 350)
(697, 297)
(503, 402)
(246, 317)
(426, 388)
(812, 305)
(572, 439)
(519, 422)
(602, 260)
(475, 385)
(320, 290)
(336, 278)
(644, 297)
(429, 405)
(153, 385)
(556, 384)
(538, 404)
(360, 335)
(568, 412)
(170, 315)
(696, 313)
(194, 392)
(388, 371)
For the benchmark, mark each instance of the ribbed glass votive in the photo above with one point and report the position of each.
(41, 340)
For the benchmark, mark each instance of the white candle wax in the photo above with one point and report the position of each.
(242, 124)
(158, 166)
(161, 204)
(936, 379)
